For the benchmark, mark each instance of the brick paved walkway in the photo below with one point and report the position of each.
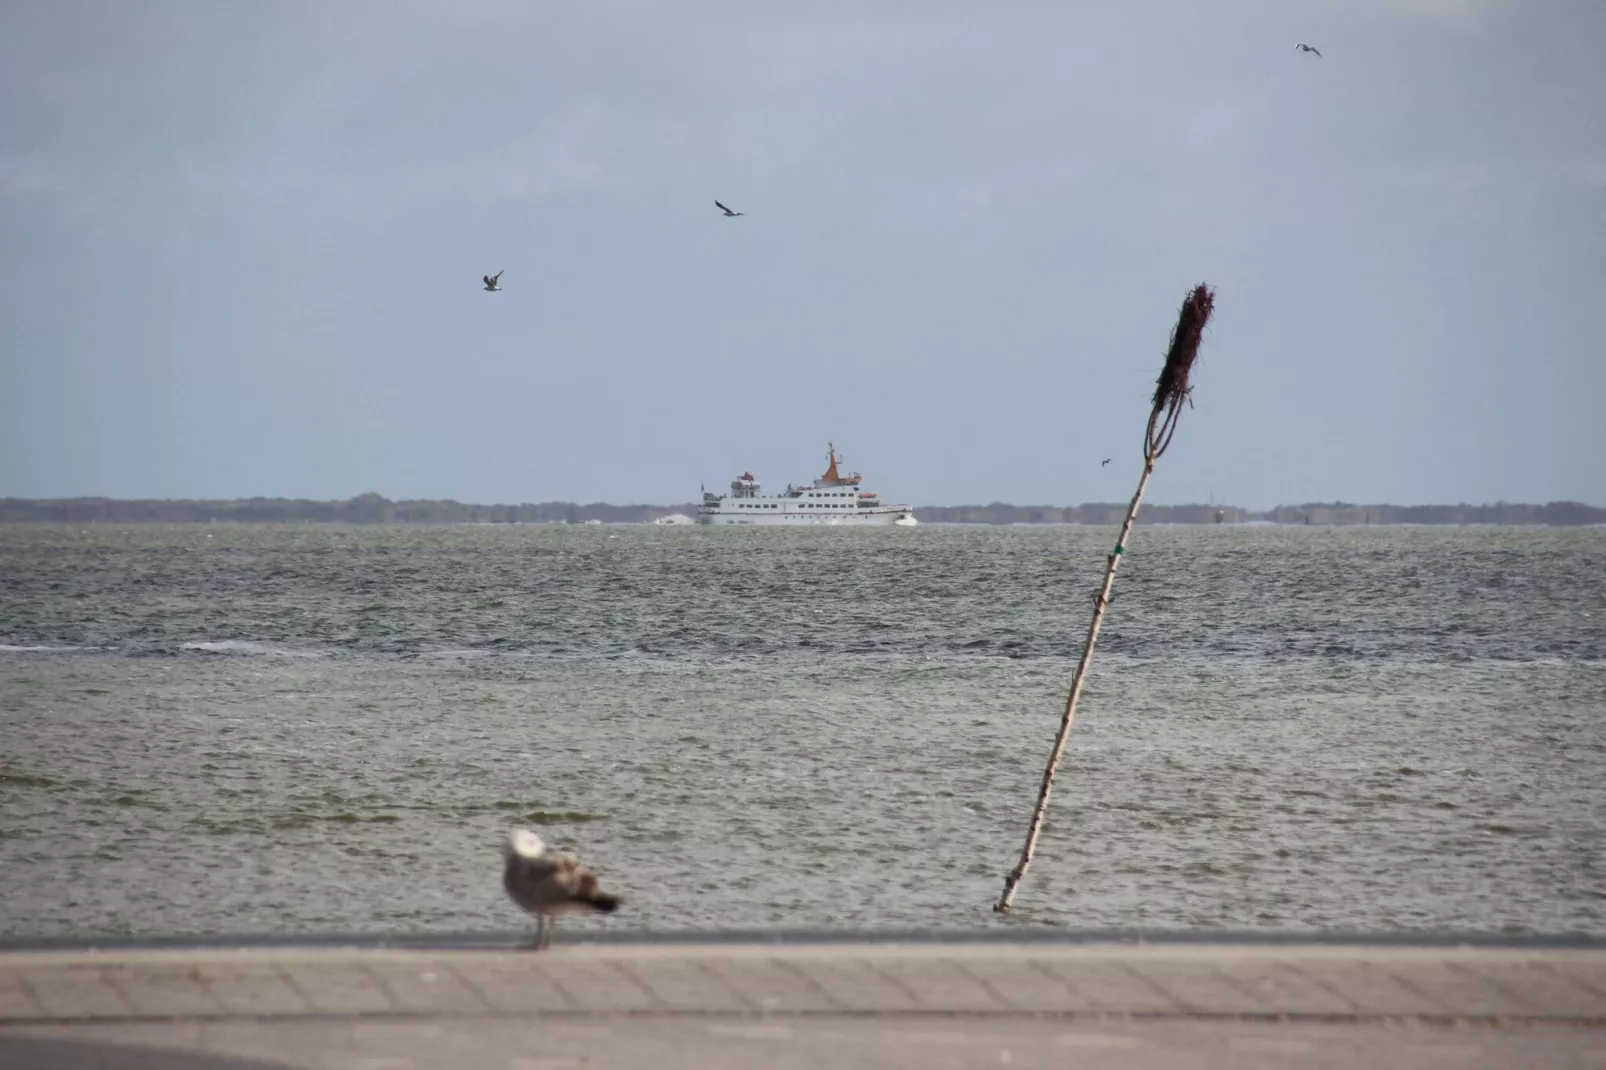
(706, 1005)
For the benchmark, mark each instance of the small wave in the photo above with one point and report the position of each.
(7, 648)
(250, 649)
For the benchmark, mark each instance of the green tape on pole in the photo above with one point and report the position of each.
(1119, 550)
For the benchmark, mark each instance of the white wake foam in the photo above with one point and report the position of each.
(250, 649)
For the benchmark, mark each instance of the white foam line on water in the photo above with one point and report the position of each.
(242, 646)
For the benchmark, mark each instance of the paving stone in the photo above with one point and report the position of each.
(853, 985)
(1107, 986)
(75, 992)
(15, 1003)
(337, 988)
(1027, 985)
(1461, 991)
(1590, 975)
(162, 991)
(1370, 989)
(423, 986)
(1554, 992)
(938, 984)
(669, 1042)
(253, 989)
(773, 987)
(513, 984)
(1280, 988)
(1197, 985)
(687, 984)
(601, 985)
(743, 981)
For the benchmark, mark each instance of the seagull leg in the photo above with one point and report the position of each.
(540, 924)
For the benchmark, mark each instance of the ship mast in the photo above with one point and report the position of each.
(831, 475)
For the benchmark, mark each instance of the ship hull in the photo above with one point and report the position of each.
(864, 518)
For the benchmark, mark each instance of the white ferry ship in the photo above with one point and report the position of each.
(832, 499)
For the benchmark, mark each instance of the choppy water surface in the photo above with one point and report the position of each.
(232, 729)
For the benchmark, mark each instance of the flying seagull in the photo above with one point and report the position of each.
(1104, 462)
(491, 284)
(550, 883)
(1307, 48)
(727, 211)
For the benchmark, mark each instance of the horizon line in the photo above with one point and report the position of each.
(376, 498)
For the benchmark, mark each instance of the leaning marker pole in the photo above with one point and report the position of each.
(1170, 392)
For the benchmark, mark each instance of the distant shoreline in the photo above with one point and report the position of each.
(376, 509)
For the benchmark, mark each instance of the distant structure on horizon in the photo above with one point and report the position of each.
(375, 509)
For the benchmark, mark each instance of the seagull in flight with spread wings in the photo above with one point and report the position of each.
(729, 214)
(1308, 48)
(491, 285)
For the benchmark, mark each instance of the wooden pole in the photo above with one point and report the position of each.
(1172, 390)
(1007, 900)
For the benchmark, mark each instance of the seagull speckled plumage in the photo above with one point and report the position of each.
(550, 883)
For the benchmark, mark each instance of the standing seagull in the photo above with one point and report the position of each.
(491, 284)
(727, 211)
(550, 883)
(1307, 48)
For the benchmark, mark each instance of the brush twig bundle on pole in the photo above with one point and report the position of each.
(1173, 388)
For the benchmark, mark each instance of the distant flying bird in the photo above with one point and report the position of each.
(550, 883)
(1307, 48)
(727, 211)
(491, 284)
(1104, 462)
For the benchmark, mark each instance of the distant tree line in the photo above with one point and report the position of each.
(377, 509)
(364, 509)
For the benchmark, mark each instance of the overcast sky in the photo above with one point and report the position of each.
(241, 243)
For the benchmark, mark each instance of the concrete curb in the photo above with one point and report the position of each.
(1339, 983)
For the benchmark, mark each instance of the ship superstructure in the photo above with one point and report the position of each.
(835, 498)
